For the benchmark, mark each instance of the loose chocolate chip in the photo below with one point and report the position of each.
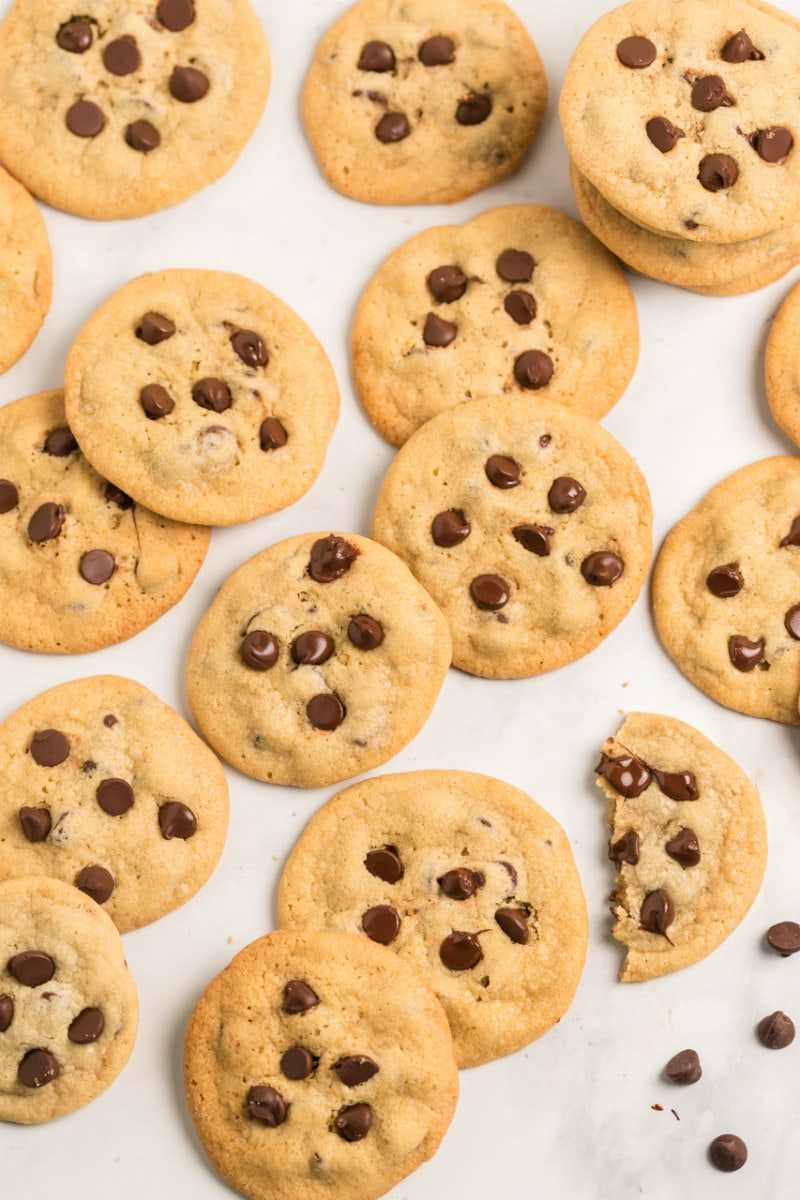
(271, 434)
(176, 820)
(46, 522)
(385, 864)
(9, 496)
(60, 442)
(502, 471)
(773, 144)
(447, 284)
(636, 52)
(122, 57)
(353, 1122)
(212, 394)
(489, 592)
(535, 538)
(392, 127)
(325, 711)
(437, 51)
(450, 528)
(35, 822)
(473, 109)
(75, 36)
(32, 968)
(365, 632)
(142, 136)
(784, 938)
(657, 912)
(708, 93)
(85, 119)
(514, 924)
(739, 49)
(663, 134)
(381, 923)
(533, 369)
(438, 333)
(684, 1067)
(725, 581)
(115, 796)
(717, 172)
(515, 266)
(87, 1026)
(678, 785)
(37, 1068)
(684, 848)
(565, 495)
(49, 747)
(259, 650)
(298, 997)
(520, 306)
(156, 401)
(727, 1152)
(625, 849)
(776, 1031)
(267, 1105)
(175, 15)
(97, 566)
(96, 882)
(250, 347)
(115, 495)
(297, 1062)
(354, 1069)
(312, 647)
(627, 774)
(461, 883)
(331, 557)
(602, 568)
(154, 328)
(187, 84)
(377, 56)
(6, 1012)
(744, 654)
(460, 951)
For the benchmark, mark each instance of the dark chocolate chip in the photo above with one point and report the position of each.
(791, 621)
(460, 951)
(473, 109)
(627, 774)
(727, 1152)
(259, 650)
(32, 968)
(717, 172)
(684, 848)
(438, 333)
(437, 51)
(739, 49)
(298, 997)
(212, 394)
(725, 581)
(331, 557)
(115, 495)
(565, 495)
(514, 924)
(60, 442)
(6, 1012)
(535, 538)
(663, 134)
(35, 822)
(533, 369)
(87, 1026)
(250, 347)
(96, 882)
(85, 119)
(744, 654)
(625, 849)
(708, 93)
(657, 912)
(365, 632)
(325, 711)
(773, 144)
(142, 136)
(392, 127)
(187, 84)
(154, 328)
(312, 647)
(381, 923)
(75, 36)
(377, 56)
(636, 52)
(37, 1068)
(298, 1063)
(271, 434)
(447, 284)
(176, 820)
(602, 568)
(354, 1069)
(156, 401)
(109, 721)
(115, 796)
(97, 566)
(461, 883)
(502, 471)
(46, 522)
(175, 15)
(515, 266)
(489, 592)
(267, 1105)
(385, 864)
(793, 536)
(9, 496)
(450, 528)
(678, 785)
(49, 747)
(122, 57)
(520, 306)
(784, 938)
(684, 1067)
(776, 1031)
(353, 1122)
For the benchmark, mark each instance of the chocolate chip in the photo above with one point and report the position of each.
(489, 592)
(657, 912)
(776, 1031)
(520, 306)
(461, 883)
(354, 1069)
(727, 1152)
(392, 127)
(385, 864)
(331, 557)
(516, 266)
(85, 119)
(725, 581)
(122, 57)
(115, 796)
(9, 496)
(535, 538)
(49, 747)
(298, 1063)
(381, 923)
(175, 15)
(271, 434)
(533, 369)
(97, 566)
(46, 522)
(502, 471)
(717, 172)
(793, 536)
(473, 109)
(438, 333)
(625, 849)
(447, 284)
(514, 924)
(627, 774)
(437, 51)
(739, 49)
(154, 328)
(87, 1026)
(35, 822)
(115, 495)
(212, 394)
(325, 711)
(259, 650)
(298, 997)
(602, 568)
(460, 951)
(110, 721)
(250, 347)
(450, 528)
(37, 1068)
(365, 632)
(32, 968)
(312, 647)
(663, 134)
(792, 622)
(6, 1012)
(784, 938)
(96, 882)
(176, 820)
(684, 848)
(744, 654)
(565, 495)
(678, 785)
(377, 56)
(636, 52)
(60, 442)
(267, 1105)
(708, 93)
(187, 84)
(75, 36)
(142, 136)
(773, 144)
(353, 1122)
(156, 401)
(684, 1067)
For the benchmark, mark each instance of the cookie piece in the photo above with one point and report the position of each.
(528, 524)
(782, 366)
(468, 880)
(687, 119)
(415, 102)
(689, 840)
(726, 591)
(108, 789)
(81, 566)
(68, 1003)
(319, 658)
(318, 1063)
(26, 270)
(518, 300)
(202, 395)
(119, 111)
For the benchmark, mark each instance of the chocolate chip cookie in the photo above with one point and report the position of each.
(782, 363)
(202, 395)
(26, 270)
(528, 524)
(81, 565)
(688, 838)
(419, 102)
(68, 1004)
(108, 789)
(318, 1064)
(119, 110)
(519, 301)
(320, 658)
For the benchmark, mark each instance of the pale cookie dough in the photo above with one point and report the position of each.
(726, 591)
(468, 880)
(320, 658)
(108, 789)
(686, 117)
(68, 1003)
(81, 566)
(202, 395)
(26, 270)
(120, 110)
(318, 1065)
(782, 365)
(528, 524)
(420, 102)
(689, 840)
(519, 300)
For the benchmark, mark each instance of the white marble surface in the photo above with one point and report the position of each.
(572, 1116)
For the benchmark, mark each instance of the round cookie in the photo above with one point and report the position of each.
(518, 300)
(317, 1065)
(726, 591)
(68, 1003)
(468, 880)
(689, 840)
(202, 395)
(416, 102)
(81, 566)
(782, 365)
(108, 789)
(686, 117)
(118, 110)
(528, 524)
(320, 658)
(26, 270)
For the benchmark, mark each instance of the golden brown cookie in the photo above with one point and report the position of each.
(26, 270)
(782, 366)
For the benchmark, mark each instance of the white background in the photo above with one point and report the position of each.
(570, 1117)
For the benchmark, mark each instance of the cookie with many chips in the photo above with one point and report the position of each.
(26, 270)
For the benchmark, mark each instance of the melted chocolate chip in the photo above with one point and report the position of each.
(75, 36)
(49, 747)
(489, 592)
(142, 136)
(502, 471)
(602, 568)
(776, 1031)
(717, 172)
(32, 968)
(354, 1069)
(385, 864)
(298, 997)
(514, 924)
(353, 1122)
(447, 284)
(259, 650)
(784, 938)
(663, 134)
(87, 1026)
(535, 538)
(6, 1012)
(156, 401)
(298, 1063)
(188, 85)
(37, 1068)
(250, 347)
(520, 306)
(312, 647)
(793, 536)
(377, 56)
(515, 266)
(115, 495)
(625, 849)
(85, 119)
(122, 57)
(744, 654)
(325, 711)
(728, 1152)
(392, 127)
(381, 923)
(460, 951)
(708, 93)
(212, 394)
(97, 566)
(473, 109)
(267, 1105)
(175, 15)
(272, 434)
(331, 557)
(657, 912)
(365, 632)
(438, 333)
(684, 848)
(684, 1067)
(450, 528)
(176, 820)
(9, 496)
(437, 51)
(461, 883)
(627, 774)
(35, 822)
(773, 144)
(565, 495)
(115, 796)
(678, 785)
(96, 882)
(636, 52)
(154, 328)
(60, 442)
(739, 49)
(46, 522)
(725, 581)
(533, 369)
